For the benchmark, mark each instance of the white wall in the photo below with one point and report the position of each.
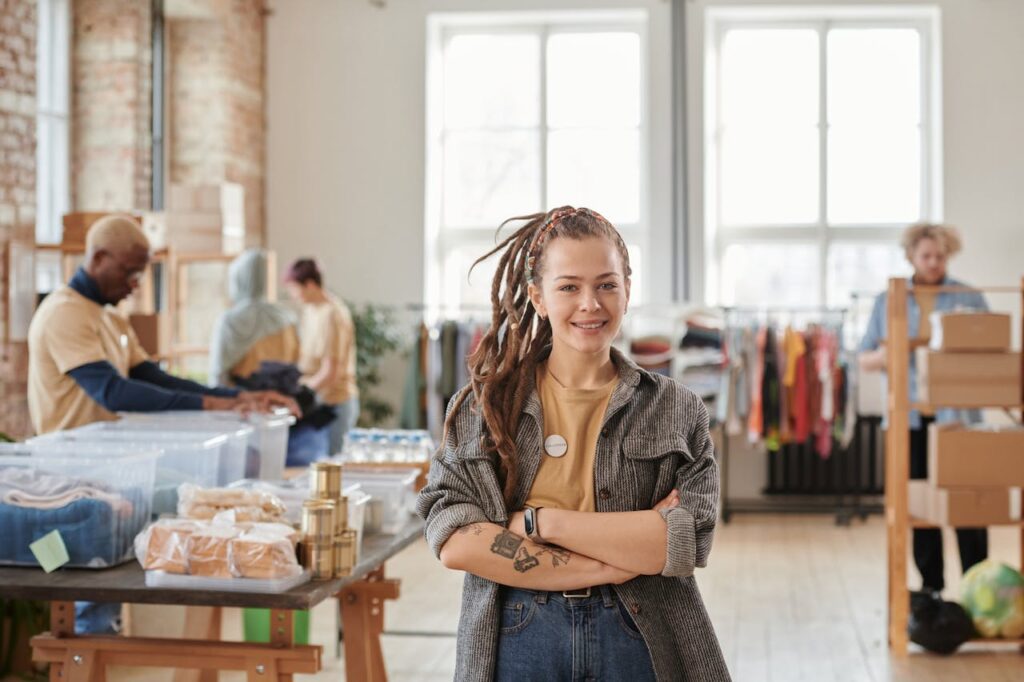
(346, 139)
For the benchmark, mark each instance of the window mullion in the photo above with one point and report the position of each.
(823, 130)
(543, 130)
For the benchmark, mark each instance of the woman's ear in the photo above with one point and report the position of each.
(533, 291)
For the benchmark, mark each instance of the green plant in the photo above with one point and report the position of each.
(4, 438)
(22, 620)
(376, 336)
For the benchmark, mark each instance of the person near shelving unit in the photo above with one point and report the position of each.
(928, 247)
(327, 347)
(253, 330)
(547, 489)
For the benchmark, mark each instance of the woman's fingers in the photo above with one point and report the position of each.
(671, 500)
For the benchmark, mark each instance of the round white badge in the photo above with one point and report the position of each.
(555, 445)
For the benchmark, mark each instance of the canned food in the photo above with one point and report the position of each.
(318, 520)
(344, 553)
(318, 559)
(325, 481)
(340, 515)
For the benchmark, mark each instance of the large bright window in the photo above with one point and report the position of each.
(53, 196)
(525, 113)
(821, 144)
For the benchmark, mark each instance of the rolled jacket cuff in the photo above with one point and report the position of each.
(681, 542)
(449, 520)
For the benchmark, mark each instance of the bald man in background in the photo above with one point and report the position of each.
(85, 362)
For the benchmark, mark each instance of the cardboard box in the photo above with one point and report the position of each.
(963, 507)
(76, 226)
(983, 456)
(959, 379)
(150, 328)
(194, 232)
(970, 331)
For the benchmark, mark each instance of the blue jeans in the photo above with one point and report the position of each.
(97, 618)
(546, 636)
(346, 414)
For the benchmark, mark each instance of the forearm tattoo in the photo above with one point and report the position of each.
(509, 545)
(506, 543)
(471, 529)
(559, 556)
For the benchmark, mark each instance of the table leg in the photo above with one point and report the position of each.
(62, 624)
(362, 615)
(201, 622)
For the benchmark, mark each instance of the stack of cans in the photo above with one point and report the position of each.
(328, 544)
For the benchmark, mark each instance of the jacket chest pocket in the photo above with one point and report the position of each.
(651, 465)
(481, 472)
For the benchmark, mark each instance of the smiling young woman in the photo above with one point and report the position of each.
(577, 490)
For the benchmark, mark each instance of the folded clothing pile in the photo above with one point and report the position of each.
(219, 550)
(229, 504)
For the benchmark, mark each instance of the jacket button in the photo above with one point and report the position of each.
(635, 608)
(604, 433)
(604, 493)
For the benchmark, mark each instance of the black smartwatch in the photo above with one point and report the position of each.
(530, 515)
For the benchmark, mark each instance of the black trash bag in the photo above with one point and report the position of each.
(284, 378)
(938, 626)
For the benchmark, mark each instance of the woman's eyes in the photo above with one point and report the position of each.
(606, 286)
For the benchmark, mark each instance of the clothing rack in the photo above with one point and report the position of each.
(799, 479)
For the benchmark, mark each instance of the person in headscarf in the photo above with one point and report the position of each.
(253, 330)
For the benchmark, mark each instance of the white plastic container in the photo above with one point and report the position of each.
(97, 497)
(184, 457)
(358, 503)
(392, 497)
(268, 444)
(198, 582)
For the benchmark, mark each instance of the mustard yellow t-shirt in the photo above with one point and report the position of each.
(326, 330)
(282, 346)
(567, 482)
(68, 331)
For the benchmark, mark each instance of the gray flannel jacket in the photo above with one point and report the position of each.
(654, 438)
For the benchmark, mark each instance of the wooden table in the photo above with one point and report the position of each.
(84, 658)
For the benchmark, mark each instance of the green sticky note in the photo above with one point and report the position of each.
(50, 551)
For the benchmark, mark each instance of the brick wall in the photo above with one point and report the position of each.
(216, 96)
(111, 95)
(17, 185)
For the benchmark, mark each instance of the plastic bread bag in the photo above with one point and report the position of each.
(204, 503)
(209, 550)
(163, 545)
(264, 554)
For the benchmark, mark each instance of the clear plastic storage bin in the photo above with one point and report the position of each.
(392, 497)
(231, 464)
(98, 498)
(268, 444)
(184, 458)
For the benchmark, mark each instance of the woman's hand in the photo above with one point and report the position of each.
(671, 500)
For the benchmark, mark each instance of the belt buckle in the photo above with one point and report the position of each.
(577, 594)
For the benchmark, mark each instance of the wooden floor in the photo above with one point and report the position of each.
(793, 598)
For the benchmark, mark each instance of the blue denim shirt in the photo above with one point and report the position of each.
(945, 301)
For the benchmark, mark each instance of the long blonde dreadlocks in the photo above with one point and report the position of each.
(510, 350)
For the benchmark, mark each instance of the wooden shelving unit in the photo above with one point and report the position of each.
(897, 517)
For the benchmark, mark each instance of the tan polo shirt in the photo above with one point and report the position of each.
(282, 346)
(567, 481)
(326, 330)
(68, 331)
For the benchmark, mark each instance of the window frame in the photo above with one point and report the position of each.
(441, 240)
(53, 89)
(718, 237)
